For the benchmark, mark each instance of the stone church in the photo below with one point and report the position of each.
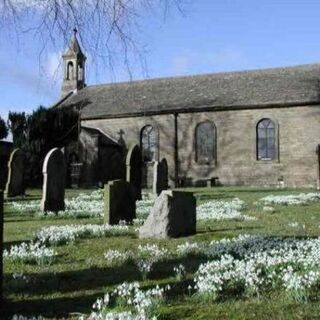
(255, 128)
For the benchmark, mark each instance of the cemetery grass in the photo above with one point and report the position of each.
(80, 274)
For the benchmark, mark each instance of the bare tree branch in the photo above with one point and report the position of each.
(108, 29)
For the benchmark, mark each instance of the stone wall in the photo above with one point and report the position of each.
(236, 164)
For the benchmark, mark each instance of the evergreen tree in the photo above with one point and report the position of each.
(3, 129)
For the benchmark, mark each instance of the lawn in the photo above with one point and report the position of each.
(80, 273)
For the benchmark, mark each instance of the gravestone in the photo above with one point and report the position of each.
(119, 202)
(160, 176)
(134, 170)
(173, 215)
(54, 177)
(1, 248)
(16, 174)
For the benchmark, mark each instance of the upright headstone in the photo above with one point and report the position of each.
(1, 248)
(160, 176)
(134, 169)
(173, 215)
(54, 177)
(16, 174)
(120, 204)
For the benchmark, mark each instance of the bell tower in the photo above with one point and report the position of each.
(73, 66)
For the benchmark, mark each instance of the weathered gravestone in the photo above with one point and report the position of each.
(1, 247)
(160, 176)
(134, 170)
(16, 174)
(173, 215)
(54, 177)
(119, 200)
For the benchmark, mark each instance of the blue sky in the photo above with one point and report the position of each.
(211, 36)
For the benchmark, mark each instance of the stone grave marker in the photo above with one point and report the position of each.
(16, 174)
(54, 177)
(119, 202)
(173, 215)
(160, 176)
(134, 169)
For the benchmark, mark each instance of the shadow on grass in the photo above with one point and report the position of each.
(49, 308)
(73, 281)
(26, 197)
(212, 196)
(211, 229)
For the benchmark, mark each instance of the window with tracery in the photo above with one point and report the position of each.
(205, 137)
(266, 140)
(148, 143)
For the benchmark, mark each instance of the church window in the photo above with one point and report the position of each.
(266, 142)
(80, 71)
(70, 71)
(205, 142)
(148, 143)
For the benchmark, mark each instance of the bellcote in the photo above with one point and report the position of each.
(73, 66)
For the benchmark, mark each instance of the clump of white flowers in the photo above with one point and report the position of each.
(255, 263)
(82, 206)
(287, 200)
(57, 235)
(115, 257)
(188, 248)
(148, 255)
(33, 252)
(131, 303)
(180, 271)
(144, 258)
(268, 209)
(222, 210)
(144, 206)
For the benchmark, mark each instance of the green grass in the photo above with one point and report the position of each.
(80, 274)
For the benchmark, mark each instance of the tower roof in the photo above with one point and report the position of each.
(74, 47)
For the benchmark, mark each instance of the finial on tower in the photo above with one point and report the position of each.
(75, 31)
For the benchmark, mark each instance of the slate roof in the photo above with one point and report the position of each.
(298, 85)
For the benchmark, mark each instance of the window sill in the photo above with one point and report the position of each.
(266, 161)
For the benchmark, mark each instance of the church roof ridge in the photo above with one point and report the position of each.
(293, 85)
(210, 74)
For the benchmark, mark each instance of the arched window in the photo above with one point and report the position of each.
(148, 143)
(80, 71)
(70, 70)
(266, 140)
(205, 142)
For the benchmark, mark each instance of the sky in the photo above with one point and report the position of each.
(210, 36)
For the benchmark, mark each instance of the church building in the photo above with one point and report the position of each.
(255, 128)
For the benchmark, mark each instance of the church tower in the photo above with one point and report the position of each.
(74, 67)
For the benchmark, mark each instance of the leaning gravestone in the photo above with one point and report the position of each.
(16, 173)
(173, 215)
(134, 169)
(119, 200)
(160, 176)
(1, 247)
(54, 176)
